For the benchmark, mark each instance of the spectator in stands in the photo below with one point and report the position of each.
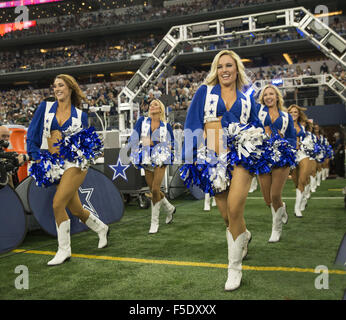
(339, 155)
(324, 68)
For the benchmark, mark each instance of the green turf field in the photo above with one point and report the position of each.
(188, 258)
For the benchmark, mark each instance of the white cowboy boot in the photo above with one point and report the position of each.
(304, 200)
(313, 184)
(155, 212)
(235, 253)
(307, 191)
(284, 214)
(247, 241)
(324, 174)
(254, 185)
(169, 209)
(64, 243)
(207, 202)
(299, 197)
(277, 224)
(100, 228)
(213, 202)
(318, 178)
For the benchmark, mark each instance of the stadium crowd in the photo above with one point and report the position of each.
(17, 106)
(131, 14)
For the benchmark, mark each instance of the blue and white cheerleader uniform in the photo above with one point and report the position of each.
(203, 167)
(305, 144)
(283, 148)
(246, 140)
(150, 156)
(318, 153)
(79, 147)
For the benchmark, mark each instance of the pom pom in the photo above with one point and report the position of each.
(82, 146)
(211, 173)
(247, 147)
(48, 171)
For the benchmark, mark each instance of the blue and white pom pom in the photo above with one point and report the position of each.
(161, 154)
(80, 146)
(48, 170)
(283, 153)
(247, 147)
(307, 145)
(154, 156)
(211, 172)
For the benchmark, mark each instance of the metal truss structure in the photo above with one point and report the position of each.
(226, 29)
(305, 81)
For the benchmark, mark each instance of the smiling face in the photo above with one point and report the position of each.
(154, 107)
(270, 98)
(61, 91)
(294, 113)
(227, 71)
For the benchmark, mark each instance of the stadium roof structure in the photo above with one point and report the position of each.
(170, 47)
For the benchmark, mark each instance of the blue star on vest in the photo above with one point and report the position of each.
(119, 170)
(211, 112)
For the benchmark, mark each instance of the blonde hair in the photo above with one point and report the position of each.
(301, 115)
(212, 78)
(163, 110)
(77, 95)
(280, 100)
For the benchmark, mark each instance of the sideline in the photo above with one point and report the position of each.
(178, 263)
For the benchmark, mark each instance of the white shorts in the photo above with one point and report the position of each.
(68, 165)
(301, 155)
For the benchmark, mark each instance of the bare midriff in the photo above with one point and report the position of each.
(214, 133)
(55, 135)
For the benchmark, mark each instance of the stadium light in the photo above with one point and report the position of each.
(336, 43)
(161, 47)
(200, 28)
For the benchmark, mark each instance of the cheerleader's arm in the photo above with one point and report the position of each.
(135, 136)
(35, 132)
(291, 133)
(194, 125)
(85, 122)
(170, 136)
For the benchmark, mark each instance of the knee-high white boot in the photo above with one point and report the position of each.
(155, 213)
(235, 253)
(207, 202)
(213, 202)
(100, 228)
(277, 224)
(313, 184)
(299, 197)
(304, 200)
(307, 191)
(64, 244)
(247, 241)
(324, 174)
(318, 176)
(284, 214)
(254, 184)
(169, 209)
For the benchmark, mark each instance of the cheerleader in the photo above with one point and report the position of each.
(319, 155)
(56, 124)
(278, 125)
(151, 146)
(301, 174)
(206, 156)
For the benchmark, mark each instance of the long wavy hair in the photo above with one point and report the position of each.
(77, 95)
(212, 78)
(301, 115)
(279, 101)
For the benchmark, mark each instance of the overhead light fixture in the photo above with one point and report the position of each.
(287, 58)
